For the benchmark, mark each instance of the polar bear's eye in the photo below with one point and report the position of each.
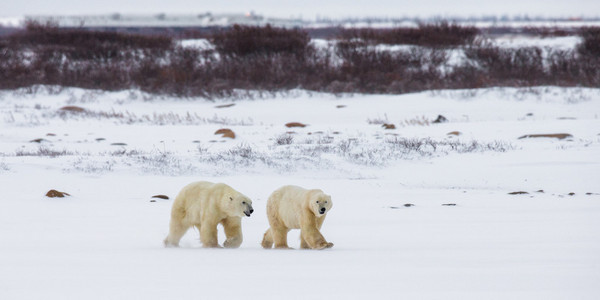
(230, 198)
(317, 201)
(243, 202)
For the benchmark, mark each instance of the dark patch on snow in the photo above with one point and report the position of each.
(226, 133)
(56, 194)
(38, 141)
(295, 124)
(518, 193)
(225, 105)
(440, 119)
(73, 109)
(559, 136)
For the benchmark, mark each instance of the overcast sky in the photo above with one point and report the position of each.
(308, 9)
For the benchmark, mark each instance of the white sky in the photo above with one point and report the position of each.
(308, 9)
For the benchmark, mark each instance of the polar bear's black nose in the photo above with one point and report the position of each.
(251, 210)
(323, 210)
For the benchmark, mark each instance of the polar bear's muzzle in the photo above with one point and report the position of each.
(249, 210)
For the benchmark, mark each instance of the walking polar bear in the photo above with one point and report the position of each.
(205, 205)
(292, 207)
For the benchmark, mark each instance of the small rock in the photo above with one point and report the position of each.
(225, 105)
(571, 194)
(56, 194)
(440, 119)
(100, 139)
(388, 126)
(50, 134)
(335, 132)
(38, 141)
(340, 106)
(152, 200)
(449, 204)
(196, 141)
(539, 191)
(408, 205)
(295, 124)
(75, 109)
(394, 207)
(457, 133)
(118, 144)
(518, 193)
(164, 197)
(529, 114)
(226, 133)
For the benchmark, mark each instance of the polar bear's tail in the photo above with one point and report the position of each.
(267, 241)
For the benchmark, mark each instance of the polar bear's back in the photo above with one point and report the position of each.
(197, 197)
(286, 205)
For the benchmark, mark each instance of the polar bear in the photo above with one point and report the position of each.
(205, 205)
(293, 207)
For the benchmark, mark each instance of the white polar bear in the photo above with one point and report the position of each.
(205, 205)
(292, 207)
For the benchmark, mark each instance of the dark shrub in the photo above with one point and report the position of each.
(247, 40)
(440, 34)
(590, 46)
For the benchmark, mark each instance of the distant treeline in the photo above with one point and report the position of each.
(277, 59)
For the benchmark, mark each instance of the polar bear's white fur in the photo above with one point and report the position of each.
(293, 207)
(205, 205)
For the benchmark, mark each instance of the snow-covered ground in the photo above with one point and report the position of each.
(105, 241)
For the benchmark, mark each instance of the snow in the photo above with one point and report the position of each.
(105, 241)
(555, 43)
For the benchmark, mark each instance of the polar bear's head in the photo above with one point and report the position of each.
(320, 204)
(240, 205)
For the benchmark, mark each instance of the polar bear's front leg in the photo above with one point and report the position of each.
(233, 232)
(311, 235)
(208, 235)
(303, 243)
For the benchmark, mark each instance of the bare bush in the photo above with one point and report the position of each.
(168, 118)
(256, 40)
(378, 120)
(441, 34)
(250, 61)
(93, 166)
(44, 151)
(163, 163)
(591, 42)
(284, 139)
